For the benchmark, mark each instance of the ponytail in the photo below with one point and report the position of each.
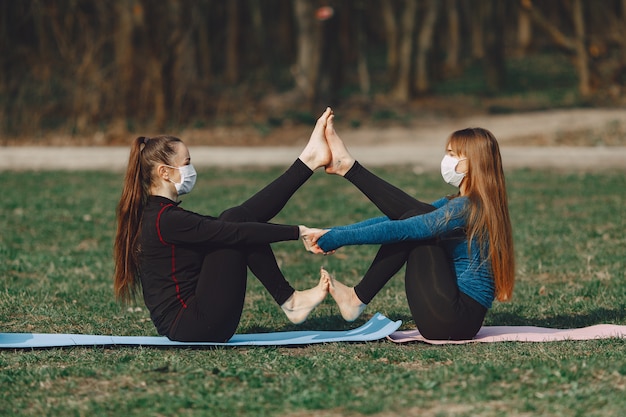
(145, 153)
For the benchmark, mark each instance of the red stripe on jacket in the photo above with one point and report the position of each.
(158, 222)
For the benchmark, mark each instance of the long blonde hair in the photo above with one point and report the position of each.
(488, 213)
(145, 154)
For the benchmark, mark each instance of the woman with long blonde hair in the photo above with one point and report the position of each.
(192, 268)
(458, 250)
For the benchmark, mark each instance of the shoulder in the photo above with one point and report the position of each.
(164, 208)
(451, 202)
(441, 202)
(458, 205)
(459, 201)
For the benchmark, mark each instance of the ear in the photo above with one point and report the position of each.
(462, 167)
(163, 173)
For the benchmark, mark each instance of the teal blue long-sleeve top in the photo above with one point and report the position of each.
(447, 223)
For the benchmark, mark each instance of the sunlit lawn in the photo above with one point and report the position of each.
(56, 272)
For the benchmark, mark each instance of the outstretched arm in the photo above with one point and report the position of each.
(443, 220)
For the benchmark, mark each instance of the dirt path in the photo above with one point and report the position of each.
(580, 139)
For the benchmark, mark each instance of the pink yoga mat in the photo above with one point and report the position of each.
(520, 334)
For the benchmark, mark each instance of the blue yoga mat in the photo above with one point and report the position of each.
(377, 327)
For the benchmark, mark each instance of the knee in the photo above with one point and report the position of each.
(427, 252)
(236, 214)
(421, 208)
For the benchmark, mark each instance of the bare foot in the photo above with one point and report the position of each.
(349, 303)
(341, 161)
(298, 307)
(316, 152)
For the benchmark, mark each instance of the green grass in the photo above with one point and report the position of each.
(55, 249)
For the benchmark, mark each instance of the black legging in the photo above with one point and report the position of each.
(440, 310)
(214, 312)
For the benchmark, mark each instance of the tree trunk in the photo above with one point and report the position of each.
(123, 47)
(402, 87)
(156, 90)
(329, 63)
(184, 67)
(361, 50)
(453, 44)
(391, 32)
(577, 45)
(559, 39)
(305, 69)
(494, 63)
(582, 58)
(205, 71)
(524, 30)
(232, 42)
(258, 50)
(620, 76)
(476, 29)
(424, 46)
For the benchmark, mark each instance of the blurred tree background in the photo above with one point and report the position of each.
(123, 66)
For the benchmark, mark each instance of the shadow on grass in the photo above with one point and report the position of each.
(561, 321)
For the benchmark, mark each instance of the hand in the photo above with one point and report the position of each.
(310, 236)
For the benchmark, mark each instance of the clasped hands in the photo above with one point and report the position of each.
(310, 236)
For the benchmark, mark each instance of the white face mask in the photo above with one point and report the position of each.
(448, 170)
(187, 179)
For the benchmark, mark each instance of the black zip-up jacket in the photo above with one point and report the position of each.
(173, 243)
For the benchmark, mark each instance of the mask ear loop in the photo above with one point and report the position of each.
(181, 175)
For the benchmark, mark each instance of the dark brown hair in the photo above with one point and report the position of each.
(145, 154)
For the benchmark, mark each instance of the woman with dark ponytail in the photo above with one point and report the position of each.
(192, 268)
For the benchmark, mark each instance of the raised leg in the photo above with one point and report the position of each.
(389, 199)
(270, 200)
